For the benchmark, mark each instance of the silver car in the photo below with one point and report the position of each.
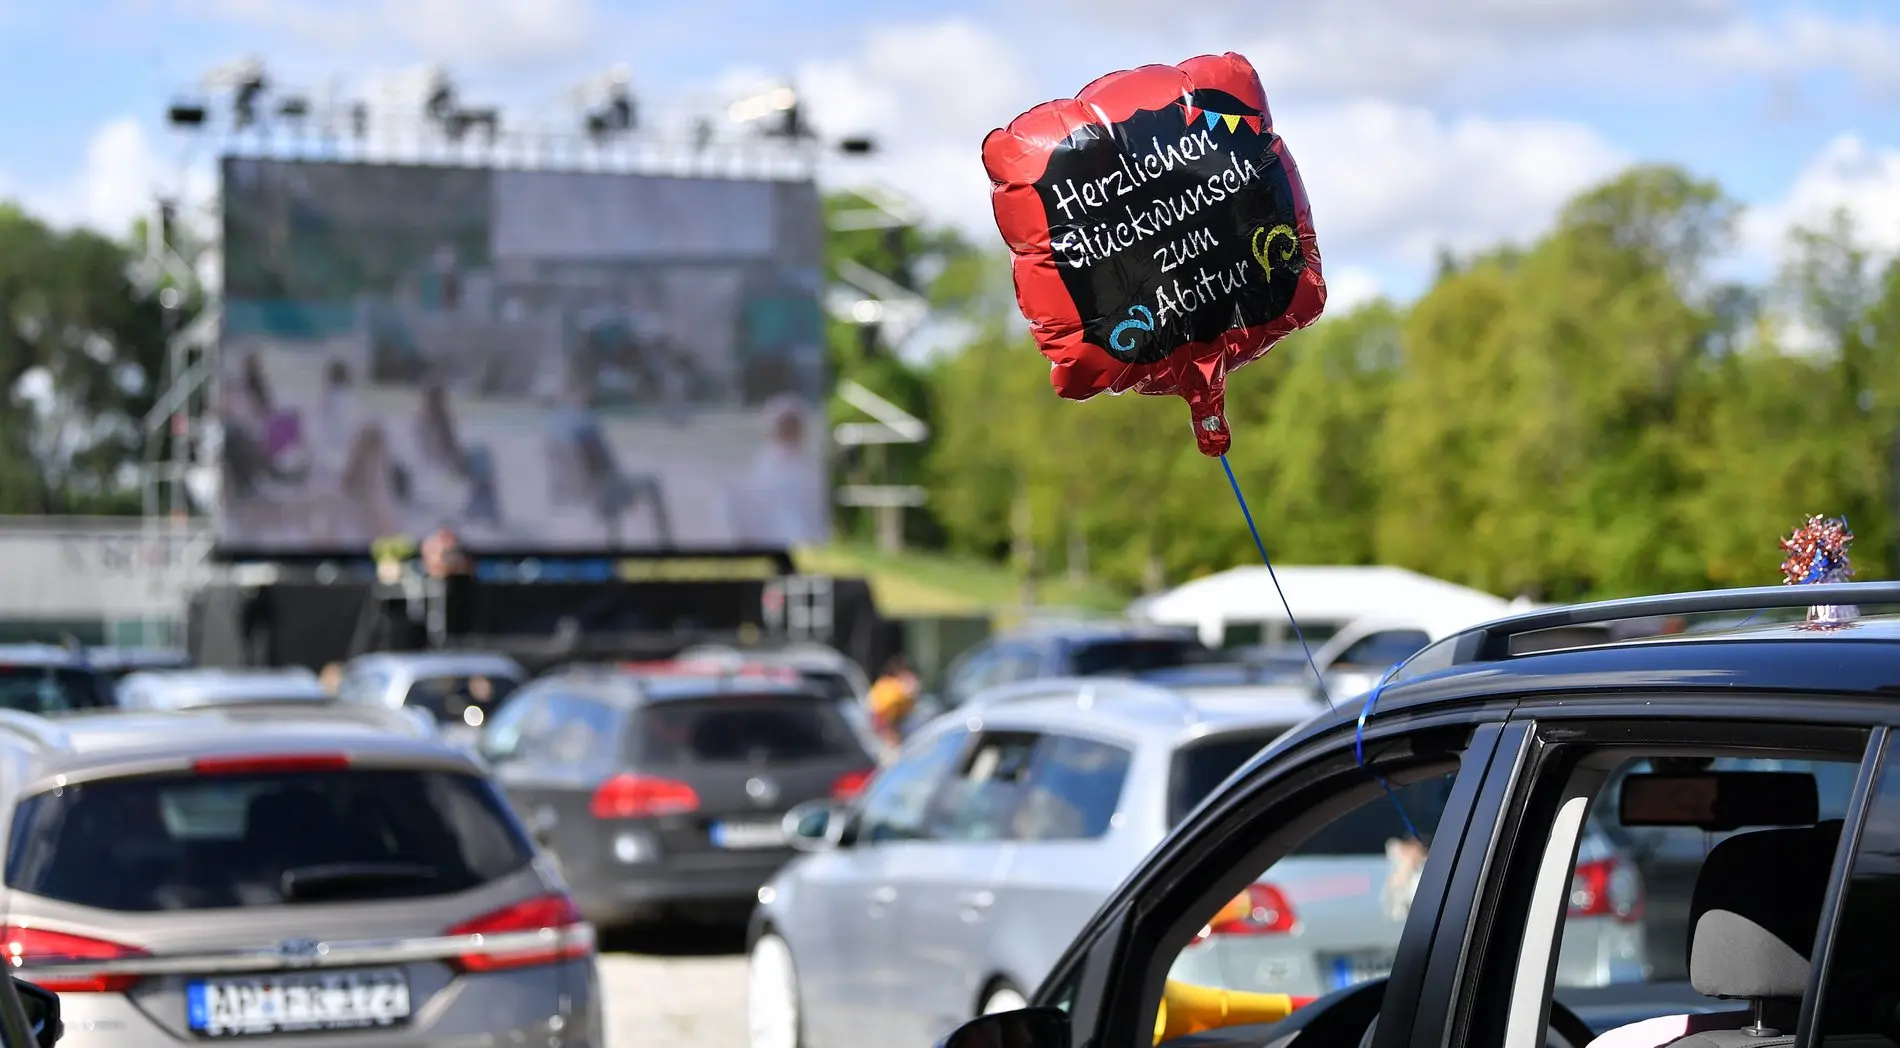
(178, 689)
(952, 885)
(460, 689)
(281, 876)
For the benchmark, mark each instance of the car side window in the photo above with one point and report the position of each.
(980, 802)
(1015, 662)
(364, 687)
(516, 724)
(1075, 789)
(969, 675)
(1860, 1000)
(1383, 649)
(578, 731)
(897, 801)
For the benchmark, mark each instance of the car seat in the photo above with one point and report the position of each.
(1752, 923)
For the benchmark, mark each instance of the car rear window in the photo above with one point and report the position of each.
(187, 842)
(743, 729)
(1200, 767)
(46, 689)
(1102, 658)
(448, 698)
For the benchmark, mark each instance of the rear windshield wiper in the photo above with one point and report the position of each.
(344, 879)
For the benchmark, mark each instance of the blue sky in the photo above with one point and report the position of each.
(1455, 122)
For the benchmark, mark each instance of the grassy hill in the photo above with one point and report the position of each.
(926, 584)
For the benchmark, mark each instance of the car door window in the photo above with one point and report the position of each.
(1584, 912)
(1860, 1000)
(897, 802)
(577, 732)
(980, 801)
(1015, 662)
(1379, 651)
(516, 731)
(1074, 791)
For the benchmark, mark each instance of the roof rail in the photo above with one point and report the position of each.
(1491, 642)
(41, 731)
(1095, 689)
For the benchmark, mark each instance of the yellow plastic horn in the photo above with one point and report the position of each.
(1186, 1008)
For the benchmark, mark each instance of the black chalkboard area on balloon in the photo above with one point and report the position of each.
(1172, 226)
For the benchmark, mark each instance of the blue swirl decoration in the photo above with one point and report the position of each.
(1146, 322)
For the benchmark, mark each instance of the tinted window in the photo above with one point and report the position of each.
(1380, 650)
(1861, 996)
(743, 729)
(1206, 764)
(979, 803)
(45, 689)
(1102, 658)
(1366, 829)
(180, 842)
(448, 698)
(1075, 788)
(895, 803)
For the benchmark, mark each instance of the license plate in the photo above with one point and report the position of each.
(300, 1001)
(1353, 970)
(739, 835)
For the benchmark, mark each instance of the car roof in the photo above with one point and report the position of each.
(41, 655)
(632, 687)
(1131, 708)
(214, 684)
(108, 742)
(1734, 664)
(1090, 630)
(421, 663)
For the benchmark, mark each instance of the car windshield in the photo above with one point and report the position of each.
(743, 729)
(189, 842)
(1106, 657)
(1205, 764)
(45, 689)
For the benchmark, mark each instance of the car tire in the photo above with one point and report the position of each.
(1003, 998)
(772, 1013)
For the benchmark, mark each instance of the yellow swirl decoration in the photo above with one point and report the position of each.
(1263, 239)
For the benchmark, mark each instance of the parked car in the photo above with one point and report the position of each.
(116, 662)
(177, 689)
(951, 888)
(1078, 649)
(1791, 923)
(270, 876)
(663, 793)
(48, 678)
(460, 689)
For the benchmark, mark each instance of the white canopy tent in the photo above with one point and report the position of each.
(1240, 606)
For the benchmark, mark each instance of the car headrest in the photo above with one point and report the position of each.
(1756, 907)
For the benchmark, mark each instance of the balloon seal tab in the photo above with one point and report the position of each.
(1212, 435)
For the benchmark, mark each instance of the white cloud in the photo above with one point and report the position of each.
(1848, 173)
(1392, 184)
(1806, 41)
(1349, 287)
(929, 93)
(122, 173)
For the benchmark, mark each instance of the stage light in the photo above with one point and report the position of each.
(294, 108)
(858, 146)
(186, 114)
(359, 121)
(244, 103)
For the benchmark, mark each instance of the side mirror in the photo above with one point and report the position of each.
(814, 825)
(1023, 1028)
(42, 1013)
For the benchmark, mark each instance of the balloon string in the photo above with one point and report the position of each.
(1311, 663)
(1359, 736)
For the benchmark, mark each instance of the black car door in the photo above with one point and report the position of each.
(1117, 976)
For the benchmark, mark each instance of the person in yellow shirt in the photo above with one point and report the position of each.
(892, 698)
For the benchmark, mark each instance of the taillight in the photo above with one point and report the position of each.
(1260, 910)
(31, 947)
(1606, 888)
(268, 765)
(635, 796)
(542, 930)
(850, 784)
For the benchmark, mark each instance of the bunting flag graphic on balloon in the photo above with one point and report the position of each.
(1160, 234)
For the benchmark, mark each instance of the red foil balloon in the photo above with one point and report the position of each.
(1160, 232)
